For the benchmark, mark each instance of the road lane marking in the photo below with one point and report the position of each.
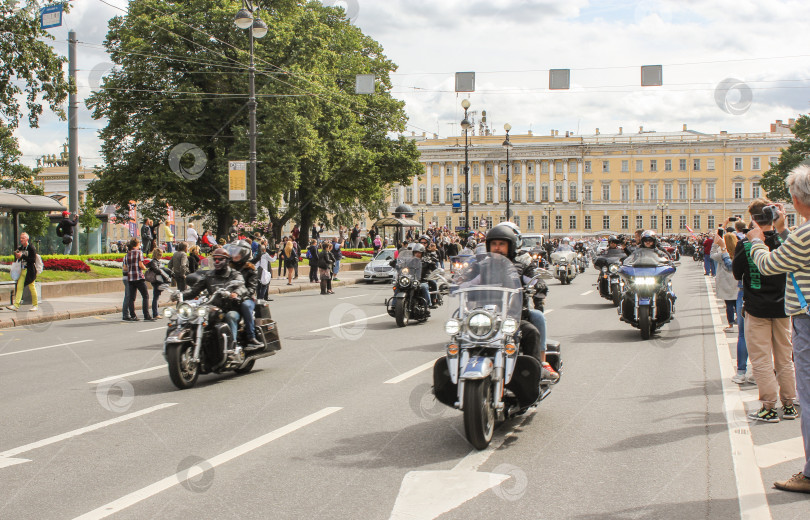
(548, 311)
(43, 348)
(150, 330)
(750, 488)
(180, 477)
(123, 376)
(349, 322)
(8, 454)
(586, 293)
(350, 297)
(410, 373)
(778, 452)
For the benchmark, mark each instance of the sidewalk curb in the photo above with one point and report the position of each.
(11, 322)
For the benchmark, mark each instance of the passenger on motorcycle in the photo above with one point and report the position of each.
(222, 276)
(565, 245)
(241, 254)
(502, 239)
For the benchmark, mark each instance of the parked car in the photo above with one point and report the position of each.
(379, 268)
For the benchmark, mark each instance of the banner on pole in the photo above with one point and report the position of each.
(50, 16)
(237, 180)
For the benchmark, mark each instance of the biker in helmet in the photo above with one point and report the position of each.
(222, 276)
(650, 241)
(565, 245)
(503, 240)
(241, 253)
(428, 266)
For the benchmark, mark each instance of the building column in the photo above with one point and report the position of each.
(429, 195)
(523, 188)
(538, 193)
(552, 196)
(496, 188)
(456, 169)
(482, 176)
(579, 180)
(442, 181)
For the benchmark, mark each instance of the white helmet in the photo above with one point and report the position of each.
(518, 235)
(566, 240)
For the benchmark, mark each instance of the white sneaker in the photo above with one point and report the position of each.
(738, 378)
(749, 375)
(34, 308)
(13, 308)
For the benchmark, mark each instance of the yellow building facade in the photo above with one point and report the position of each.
(595, 184)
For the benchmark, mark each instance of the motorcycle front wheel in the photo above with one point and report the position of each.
(479, 416)
(644, 322)
(616, 296)
(182, 371)
(401, 311)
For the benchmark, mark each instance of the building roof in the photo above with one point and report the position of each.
(20, 202)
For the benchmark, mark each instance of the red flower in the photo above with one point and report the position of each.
(65, 264)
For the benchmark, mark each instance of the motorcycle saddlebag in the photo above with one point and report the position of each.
(553, 355)
(443, 388)
(270, 330)
(525, 380)
(262, 311)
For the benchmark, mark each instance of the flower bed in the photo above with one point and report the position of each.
(66, 264)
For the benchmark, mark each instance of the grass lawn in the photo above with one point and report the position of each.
(63, 276)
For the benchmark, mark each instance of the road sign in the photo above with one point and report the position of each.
(50, 16)
(457, 200)
(465, 81)
(237, 180)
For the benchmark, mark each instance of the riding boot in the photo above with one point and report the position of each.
(323, 286)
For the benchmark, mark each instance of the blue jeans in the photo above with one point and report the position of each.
(425, 292)
(68, 247)
(801, 360)
(537, 319)
(232, 319)
(742, 350)
(709, 267)
(336, 268)
(125, 305)
(247, 308)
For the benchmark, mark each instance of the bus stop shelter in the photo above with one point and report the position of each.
(16, 203)
(399, 224)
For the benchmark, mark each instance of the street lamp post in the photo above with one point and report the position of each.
(245, 19)
(662, 207)
(465, 125)
(550, 208)
(508, 145)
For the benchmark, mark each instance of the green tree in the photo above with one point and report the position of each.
(773, 181)
(322, 149)
(87, 213)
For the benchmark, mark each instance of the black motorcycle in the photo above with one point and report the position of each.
(610, 284)
(408, 302)
(199, 341)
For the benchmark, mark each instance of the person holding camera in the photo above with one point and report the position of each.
(791, 259)
(64, 230)
(767, 327)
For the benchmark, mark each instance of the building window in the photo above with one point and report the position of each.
(755, 190)
(558, 166)
(605, 221)
(710, 192)
(696, 222)
(572, 222)
(773, 160)
(588, 192)
(544, 222)
(625, 222)
(605, 166)
(587, 166)
(530, 192)
(738, 164)
(503, 192)
(696, 165)
(436, 190)
(625, 191)
(653, 222)
(557, 221)
(710, 221)
(682, 190)
(543, 166)
(668, 191)
(791, 220)
(516, 192)
(605, 192)
(682, 222)
(668, 222)
(436, 170)
(476, 194)
(448, 172)
(529, 167)
(558, 191)
(710, 164)
(516, 218)
(544, 192)
(625, 166)
(682, 165)
(490, 192)
(395, 196)
(639, 165)
(489, 170)
(695, 191)
(475, 222)
(503, 169)
(530, 222)
(448, 193)
(587, 222)
(422, 194)
(639, 192)
(462, 191)
(639, 222)
(654, 192)
(516, 169)
(409, 194)
(475, 169)
(501, 219)
(653, 165)
(755, 163)
(572, 191)
(668, 165)
(738, 191)
(448, 222)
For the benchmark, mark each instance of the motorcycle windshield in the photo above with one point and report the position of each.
(562, 256)
(408, 265)
(644, 257)
(487, 282)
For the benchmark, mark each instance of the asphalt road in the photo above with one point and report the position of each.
(341, 423)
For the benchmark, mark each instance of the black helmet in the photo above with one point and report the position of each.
(503, 233)
(513, 227)
(614, 239)
(240, 252)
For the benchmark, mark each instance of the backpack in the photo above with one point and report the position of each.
(39, 265)
(59, 231)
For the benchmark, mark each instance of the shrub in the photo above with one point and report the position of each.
(66, 264)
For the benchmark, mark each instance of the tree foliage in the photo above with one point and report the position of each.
(773, 181)
(322, 150)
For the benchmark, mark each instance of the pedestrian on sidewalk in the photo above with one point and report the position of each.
(191, 235)
(725, 284)
(26, 255)
(282, 270)
(125, 270)
(312, 256)
(194, 259)
(709, 268)
(265, 271)
(767, 327)
(136, 279)
(290, 260)
(793, 258)
(326, 262)
(179, 266)
(169, 236)
(296, 257)
(157, 277)
(147, 234)
(337, 254)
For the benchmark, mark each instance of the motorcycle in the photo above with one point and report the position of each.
(582, 262)
(199, 341)
(648, 302)
(565, 268)
(484, 373)
(609, 283)
(408, 302)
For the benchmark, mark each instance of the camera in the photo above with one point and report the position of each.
(732, 219)
(768, 215)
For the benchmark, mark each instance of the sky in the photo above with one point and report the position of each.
(733, 65)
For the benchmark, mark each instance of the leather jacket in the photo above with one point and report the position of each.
(211, 282)
(251, 277)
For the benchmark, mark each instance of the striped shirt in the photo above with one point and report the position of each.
(792, 257)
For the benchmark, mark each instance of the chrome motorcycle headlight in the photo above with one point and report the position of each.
(480, 324)
(202, 312)
(185, 311)
(452, 327)
(406, 271)
(168, 313)
(604, 269)
(509, 326)
(404, 281)
(645, 280)
(613, 268)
